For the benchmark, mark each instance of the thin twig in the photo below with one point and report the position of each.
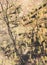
(9, 30)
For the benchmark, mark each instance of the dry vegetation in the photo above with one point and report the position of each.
(23, 23)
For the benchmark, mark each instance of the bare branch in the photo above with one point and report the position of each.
(9, 30)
